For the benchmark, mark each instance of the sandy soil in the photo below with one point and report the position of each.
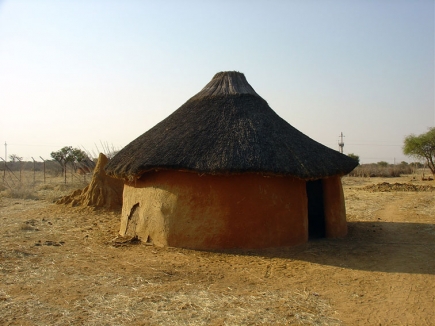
(61, 265)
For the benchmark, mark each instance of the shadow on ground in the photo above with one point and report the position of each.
(371, 246)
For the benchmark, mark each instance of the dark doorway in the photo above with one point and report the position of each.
(316, 213)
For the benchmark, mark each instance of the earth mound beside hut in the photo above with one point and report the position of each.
(103, 190)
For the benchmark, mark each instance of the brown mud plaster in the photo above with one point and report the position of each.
(183, 209)
(334, 207)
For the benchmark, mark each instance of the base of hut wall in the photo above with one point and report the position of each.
(183, 209)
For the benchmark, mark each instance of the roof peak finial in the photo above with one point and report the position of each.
(227, 83)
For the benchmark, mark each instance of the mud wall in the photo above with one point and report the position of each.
(183, 209)
(334, 207)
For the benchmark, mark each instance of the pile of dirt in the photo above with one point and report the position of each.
(103, 191)
(388, 187)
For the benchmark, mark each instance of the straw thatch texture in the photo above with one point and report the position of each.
(227, 128)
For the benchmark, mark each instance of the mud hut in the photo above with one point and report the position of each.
(225, 171)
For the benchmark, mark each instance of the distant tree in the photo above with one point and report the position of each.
(69, 155)
(14, 158)
(354, 156)
(422, 147)
(382, 164)
(417, 165)
(404, 163)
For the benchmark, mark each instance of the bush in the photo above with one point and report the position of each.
(381, 170)
(382, 164)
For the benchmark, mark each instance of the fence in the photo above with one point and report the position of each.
(18, 173)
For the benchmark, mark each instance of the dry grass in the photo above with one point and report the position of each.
(168, 308)
(29, 185)
(20, 191)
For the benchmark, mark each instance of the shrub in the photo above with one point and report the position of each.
(380, 170)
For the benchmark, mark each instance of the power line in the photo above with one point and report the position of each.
(367, 144)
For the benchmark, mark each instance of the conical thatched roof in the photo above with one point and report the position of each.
(228, 128)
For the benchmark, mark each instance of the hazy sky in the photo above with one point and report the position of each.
(82, 73)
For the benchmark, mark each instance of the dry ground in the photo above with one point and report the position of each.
(61, 265)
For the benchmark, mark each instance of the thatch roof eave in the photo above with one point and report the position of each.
(133, 177)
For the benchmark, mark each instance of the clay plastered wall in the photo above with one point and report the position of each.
(183, 209)
(146, 212)
(334, 206)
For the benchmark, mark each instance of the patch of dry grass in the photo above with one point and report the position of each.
(29, 186)
(139, 301)
(21, 191)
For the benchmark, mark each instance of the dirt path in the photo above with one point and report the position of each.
(401, 288)
(59, 265)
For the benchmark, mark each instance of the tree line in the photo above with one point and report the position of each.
(420, 147)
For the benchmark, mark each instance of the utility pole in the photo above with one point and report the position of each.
(340, 143)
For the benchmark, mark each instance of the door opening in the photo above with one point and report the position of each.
(316, 212)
